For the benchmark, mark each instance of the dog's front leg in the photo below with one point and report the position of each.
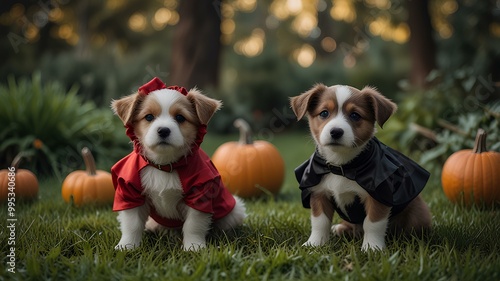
(375, 225)
(195, 229)
(132, 222)
(321, 220)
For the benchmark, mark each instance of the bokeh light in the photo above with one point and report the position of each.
(304, 23)
(137, 22)
(251, 46)
(343, 10)
(305, 55)
(227, 26)
(328, 44)
(161, 18)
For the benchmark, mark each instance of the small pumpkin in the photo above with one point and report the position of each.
(249, 168)
(88, 187)
(473, 176)
(23, 183)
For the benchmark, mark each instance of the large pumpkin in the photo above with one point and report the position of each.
(473, 176)
(88, 187)
(23, 183)
(249, 168)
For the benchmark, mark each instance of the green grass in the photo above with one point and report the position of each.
(55, 241)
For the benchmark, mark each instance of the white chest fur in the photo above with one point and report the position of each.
(164, 191)
(343, 190)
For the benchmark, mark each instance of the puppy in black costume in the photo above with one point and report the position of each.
(372, 187)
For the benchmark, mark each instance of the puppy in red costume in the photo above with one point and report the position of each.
(168, 181)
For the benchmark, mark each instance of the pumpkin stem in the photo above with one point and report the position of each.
(480, 142)
(17, 161)
(245, 131)
(89, 161)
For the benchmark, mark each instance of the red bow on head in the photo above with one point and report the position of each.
(157, 84)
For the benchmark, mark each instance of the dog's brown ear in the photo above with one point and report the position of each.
(126, 106)
(205, 107)
(300, 104)
(382, 106)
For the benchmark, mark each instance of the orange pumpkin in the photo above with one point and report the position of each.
(88, 187)
(473, 176)
(23, 183)
(249, 168)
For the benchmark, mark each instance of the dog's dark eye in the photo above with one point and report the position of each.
(149, 117)
(179, 118)
(324, 114)
(355, 116)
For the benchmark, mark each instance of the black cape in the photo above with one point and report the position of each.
(388, 176)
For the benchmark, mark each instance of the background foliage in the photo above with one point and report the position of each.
(271, 50)
(52, 125)
(433, 123)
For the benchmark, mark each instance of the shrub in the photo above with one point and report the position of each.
(52, 125)
(447, 95)
(432, 123)
(462, 135)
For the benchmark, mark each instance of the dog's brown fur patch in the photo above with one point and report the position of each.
(127, 107)
(376, 211)
(383, 107)
(359, 103)
(307, 100)
(321, 204)
(415, 218)
(150, 105)
(204, 106)
(326, 101)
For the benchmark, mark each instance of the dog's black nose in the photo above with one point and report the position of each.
(336, 133)
(163, 132)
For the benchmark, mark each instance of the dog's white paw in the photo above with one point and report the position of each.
(126, 246)
(343, 229)
(338, 229)
(311, 244)
(315, 241)
(374, 236)
(372, 245)
(194, 246)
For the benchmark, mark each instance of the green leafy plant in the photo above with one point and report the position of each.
(455, 137)
(52, 125)
(423, 112)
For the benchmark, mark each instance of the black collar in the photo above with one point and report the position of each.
(349, 169)
(169, 168)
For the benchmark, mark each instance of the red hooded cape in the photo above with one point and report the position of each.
(202, 186)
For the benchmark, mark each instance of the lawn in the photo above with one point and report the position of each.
(55, 241)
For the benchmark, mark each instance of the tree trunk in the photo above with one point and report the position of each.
(196, 45)
(83, 49)
(422, 45)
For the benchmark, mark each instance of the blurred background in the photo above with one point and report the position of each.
(63, 61)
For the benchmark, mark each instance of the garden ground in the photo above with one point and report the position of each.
(56, 241)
